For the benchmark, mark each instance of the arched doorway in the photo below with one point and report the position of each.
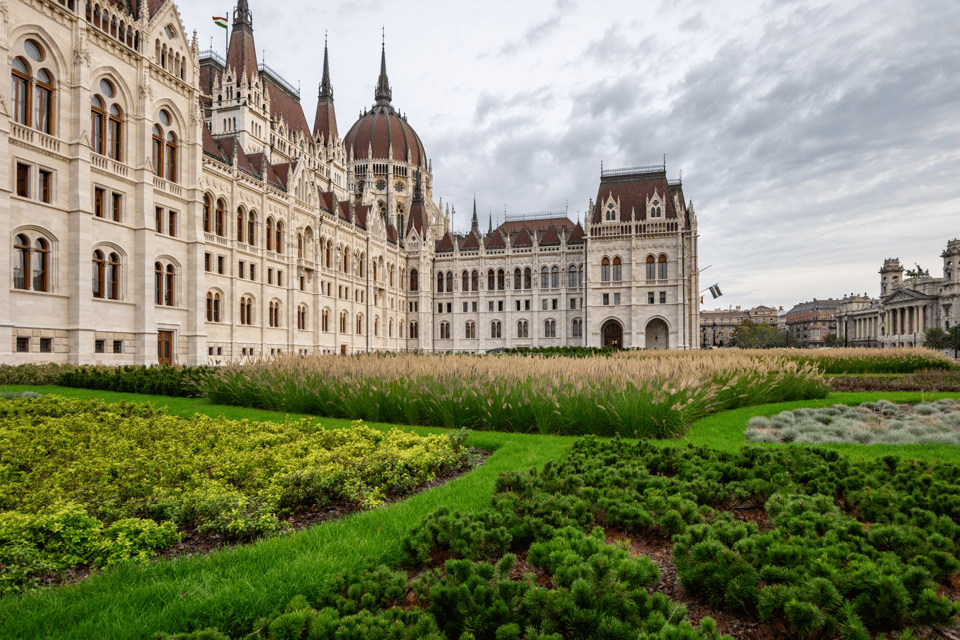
(612, 332)
(657, 334)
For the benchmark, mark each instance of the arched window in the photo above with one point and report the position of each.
(240, 224)
(31, 271)
(97, 118)
(115, 145)
(577, 328)
(343, 322)
(158, 150)
(43, 101)
(523, 329)
(171, 156)
(465, 281)
(273, 314)
(414, 281)
(279, 236)
(555, 277)
(246, 310)
(491, 280)
(662, 267)
(300, 249)
(549, 328)
(270, 237)
(449, 281)
(360, 263)
(359, 324)
(475, 280)
(544, 278)
(517, 275)
(99, 274)
(470, 330)
(605, 269)
(376, 326)
(219, 217)
(252, 229)
(390, 329)
(168, 287)
(495, 327)
(21, 91)
(444, 330)
(617, 272)
(213, 307)
(611, 211)
(113, 277)
(572, 277)
(651, 268)
(302, 317)
(414, 330)
(157, 283)
(527, 278)
(325, 320)
(207, 212)
(439, 282)
(500, 279)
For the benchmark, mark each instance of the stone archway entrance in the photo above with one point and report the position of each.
(612, 332)
(658, 334)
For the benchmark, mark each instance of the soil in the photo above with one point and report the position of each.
(926, 381)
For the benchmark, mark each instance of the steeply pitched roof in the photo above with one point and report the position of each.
(549, 238)
(632, 189)
(470, 243)
(446, 243)
(283, 105)
(576, 236)
(540, 226)
(495, 240)
(210, 146)
(523, 238)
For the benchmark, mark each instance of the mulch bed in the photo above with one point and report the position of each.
(927, 381)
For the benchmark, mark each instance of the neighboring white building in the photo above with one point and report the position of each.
(164, 204)
(907, 307)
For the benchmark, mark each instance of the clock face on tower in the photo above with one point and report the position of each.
(381, 185)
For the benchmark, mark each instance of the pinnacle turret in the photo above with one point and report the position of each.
(475, 224)
(383, 94)
(326, 89)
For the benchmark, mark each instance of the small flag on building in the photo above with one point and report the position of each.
(221, 22)
(715, 291)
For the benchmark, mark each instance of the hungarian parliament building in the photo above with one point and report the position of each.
(165, 204)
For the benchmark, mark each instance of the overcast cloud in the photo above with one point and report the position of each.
(815, 139)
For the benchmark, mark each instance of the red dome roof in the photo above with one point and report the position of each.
(385, 129)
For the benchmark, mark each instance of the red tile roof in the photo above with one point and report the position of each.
(540, 226)
(387, 131)
(242, 54)
(471, 242)
(495, 241)
(632, 191)
(360, 215)
(446, 243)
(326, 201)
(418, 219)
(210, 146)
(550, 237)
(283, 105)
(523, 238)
(325, 124)
(576, 236)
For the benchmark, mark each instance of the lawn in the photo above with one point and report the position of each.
(229, 589)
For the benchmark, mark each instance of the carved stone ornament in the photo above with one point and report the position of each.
(81, 54)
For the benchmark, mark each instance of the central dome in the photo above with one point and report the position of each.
(382, 133)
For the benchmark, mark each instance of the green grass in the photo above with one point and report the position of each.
(229, 588)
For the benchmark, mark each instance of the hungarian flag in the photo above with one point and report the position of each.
(715, 291)
(221, 22)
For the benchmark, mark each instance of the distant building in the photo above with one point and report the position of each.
(717, 326)
(907, 307)
(811, 322)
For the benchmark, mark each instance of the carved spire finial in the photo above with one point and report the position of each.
(383, 94)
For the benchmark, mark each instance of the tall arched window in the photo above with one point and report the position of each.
(302, 317)
(158, 150)
(617, 273)
(390, 329)
(99, 274)
(572, 277)
(31, 265)
(523, 329)
(325, 320)
(171, 151)
(495, 329)
(491, 280)
(97, 120)
(113, 277)
(207, 213)
(274, 314)
(241, 222)
(219, 216)
(662, 267)
(439, 282)
(449, 281)
(465, 281)
(517, 275)
(157, 283)
(164, 148)
(470, 329)
(21, 91)
(544, 278)
(252, 229)
(115, 145)
(168, 286)
(280, 236)
(270, 234)
(213, 306)
(43, 101)
(605, 269)
(246, 310)
(475, 280)
(376, 326)
(501, 276)
(359, 324)
(414, 280)
(549, 328)
(555, 277)
(651, 268)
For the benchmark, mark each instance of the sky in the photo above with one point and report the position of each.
(815, 139)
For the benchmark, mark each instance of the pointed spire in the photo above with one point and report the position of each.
(242, 16)
(326, 89)
(490, 229)
(475, 224)
(383, 93)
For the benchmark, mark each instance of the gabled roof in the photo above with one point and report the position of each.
(265, 171)
(326, 200)
(495, 240)
(360, 215)
(540, 226)
(523, 239)
(470, 243)
(576, 236)
(210, 146)
(632, 189)
(446, 243)
(549, 238)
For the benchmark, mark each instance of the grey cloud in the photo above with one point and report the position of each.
(693, 23)
(532, 36)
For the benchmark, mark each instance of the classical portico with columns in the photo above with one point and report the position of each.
(907, 306)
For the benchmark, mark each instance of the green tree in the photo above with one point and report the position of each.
(953, 340)
(936, 338)
(831, 340)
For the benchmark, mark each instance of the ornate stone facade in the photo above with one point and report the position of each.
(166, 204)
